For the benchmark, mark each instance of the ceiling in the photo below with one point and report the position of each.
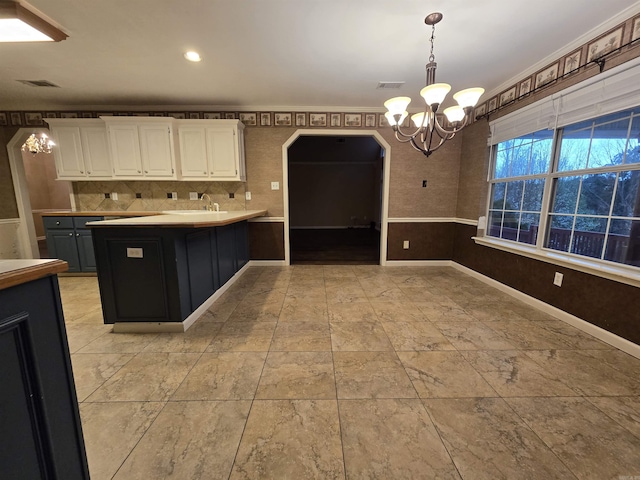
(287, 54)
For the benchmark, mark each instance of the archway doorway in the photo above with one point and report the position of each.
(336, 197)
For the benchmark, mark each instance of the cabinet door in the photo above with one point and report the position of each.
(95, 148)
(222, 149)
(157, 150)
(62, 244)
(68, 152)
(125, 150)
(86, 256)
(193, 152)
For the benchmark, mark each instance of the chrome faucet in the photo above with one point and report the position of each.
(209, 205)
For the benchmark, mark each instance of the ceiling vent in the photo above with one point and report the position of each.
(389, 85)
(39, 83)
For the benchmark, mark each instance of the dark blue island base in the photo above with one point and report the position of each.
(162, 278)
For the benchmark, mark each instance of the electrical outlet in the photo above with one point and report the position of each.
(557, 279)
(405, 244)
(107, 195)
(247, 195)
(114, 196)
(424, 183)
(193, 196)
(275, 185)
(174, 195)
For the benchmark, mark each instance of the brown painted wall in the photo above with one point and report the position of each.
(602, 302)
(427, 241)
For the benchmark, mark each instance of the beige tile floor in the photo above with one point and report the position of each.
(361, 372)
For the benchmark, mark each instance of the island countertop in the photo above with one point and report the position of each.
(191, 220)
(16, 272)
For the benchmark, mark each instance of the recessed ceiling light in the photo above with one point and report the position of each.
(192, 56)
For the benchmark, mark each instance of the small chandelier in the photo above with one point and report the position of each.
(37, 145)
(430, 133)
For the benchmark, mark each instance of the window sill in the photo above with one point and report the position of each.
(620, 274)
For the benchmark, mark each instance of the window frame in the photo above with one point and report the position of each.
(594, 265)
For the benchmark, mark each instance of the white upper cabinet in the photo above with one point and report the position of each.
(212, 149)
(142, 147)
(82, 150)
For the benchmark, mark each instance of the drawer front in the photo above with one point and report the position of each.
(57, 222)
(79, 222)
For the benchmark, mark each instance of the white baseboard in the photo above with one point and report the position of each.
(267, 263)
(419, 263)
(198, 312)
(600, 333)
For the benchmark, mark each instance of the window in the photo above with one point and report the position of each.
(519, 176)
(592, 187)
(595, 204)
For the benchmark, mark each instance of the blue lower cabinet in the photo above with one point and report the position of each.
(70, 240)
(164, 274)
(41, 434)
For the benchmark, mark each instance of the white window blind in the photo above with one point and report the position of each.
(611, 91)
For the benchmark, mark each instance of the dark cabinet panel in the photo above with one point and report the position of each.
(40, 430)
(85, 251)
(68, 239)
(62, 244)
(138, 284)
(201, 265)
(242, 244)
(226, 239)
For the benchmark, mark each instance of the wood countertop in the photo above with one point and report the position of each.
(191, 220)
(16, 272)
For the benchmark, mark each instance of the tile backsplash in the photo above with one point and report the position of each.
(90, 196)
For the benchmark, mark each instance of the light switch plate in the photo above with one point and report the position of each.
(247, 195)
(557, 279)
(275, 185)
(174, 195)
(193, 195)
(114, 196)
(405, 244)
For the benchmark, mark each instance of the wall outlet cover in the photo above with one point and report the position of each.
(174, 195)
(247, 195)
(557, 279)
(114, 195)
(275, 185)
(405, 244)
(193, 196)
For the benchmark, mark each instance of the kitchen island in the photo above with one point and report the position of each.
(159, 273)
(41, 434)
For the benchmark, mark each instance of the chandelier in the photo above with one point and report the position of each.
(41, 144)
(431, 132)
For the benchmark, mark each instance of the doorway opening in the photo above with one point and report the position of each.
(335, 199)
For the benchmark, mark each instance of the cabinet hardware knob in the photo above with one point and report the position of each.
(81, 171)
(71, 234)
(204, 173)
(146, 171)
(139, 171)
(57, 223)
(77, 234)
(89, 173)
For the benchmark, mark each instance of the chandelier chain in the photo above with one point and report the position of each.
(432, 57)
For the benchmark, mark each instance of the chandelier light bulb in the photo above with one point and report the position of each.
(468, 97)
(454, 114)
(435, 94)
(397, 105)
(419, 121)
(391, 119)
